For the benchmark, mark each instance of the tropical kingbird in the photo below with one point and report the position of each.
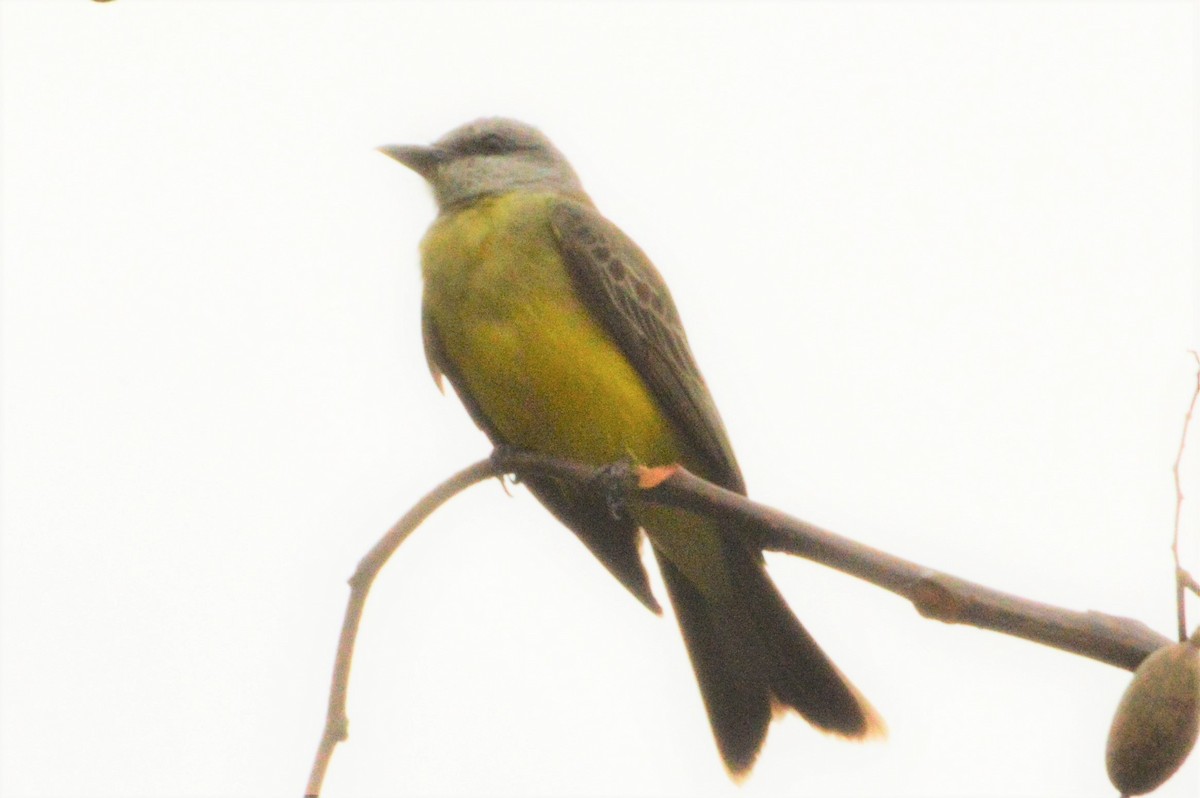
(560, 337)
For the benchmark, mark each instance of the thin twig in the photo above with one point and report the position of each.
(1183, 580)
(336, 722)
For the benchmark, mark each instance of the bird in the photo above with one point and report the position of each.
(560, 337)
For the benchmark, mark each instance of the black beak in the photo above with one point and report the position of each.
(422, 160)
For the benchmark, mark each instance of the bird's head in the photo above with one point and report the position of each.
(488, 157)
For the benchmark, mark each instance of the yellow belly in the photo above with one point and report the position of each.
(548, 377)
(537, 364)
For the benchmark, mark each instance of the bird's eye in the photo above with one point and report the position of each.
(493, 143)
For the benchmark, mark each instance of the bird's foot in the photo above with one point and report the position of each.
(614, 481)
(501, 452)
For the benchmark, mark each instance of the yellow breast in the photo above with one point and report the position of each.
(535, 361)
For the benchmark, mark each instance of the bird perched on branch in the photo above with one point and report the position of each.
(560, 337)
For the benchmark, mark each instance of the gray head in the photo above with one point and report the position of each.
(488, 157)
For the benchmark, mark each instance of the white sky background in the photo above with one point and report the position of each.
(937, 262)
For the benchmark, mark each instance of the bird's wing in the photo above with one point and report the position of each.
(613, 541)
(623, 290)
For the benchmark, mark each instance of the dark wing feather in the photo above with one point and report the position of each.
(752, 651)
(625, 292)
(613, 541)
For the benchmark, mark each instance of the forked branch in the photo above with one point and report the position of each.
(1122, 642)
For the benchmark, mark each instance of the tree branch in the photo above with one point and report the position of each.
(1183, 580)
(1122, 642)
(336, 723)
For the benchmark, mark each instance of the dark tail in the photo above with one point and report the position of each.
(751, 655)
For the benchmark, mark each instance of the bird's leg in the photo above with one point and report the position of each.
(500, 453)
(613, 481)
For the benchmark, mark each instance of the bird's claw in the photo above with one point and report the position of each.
(612, 481)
